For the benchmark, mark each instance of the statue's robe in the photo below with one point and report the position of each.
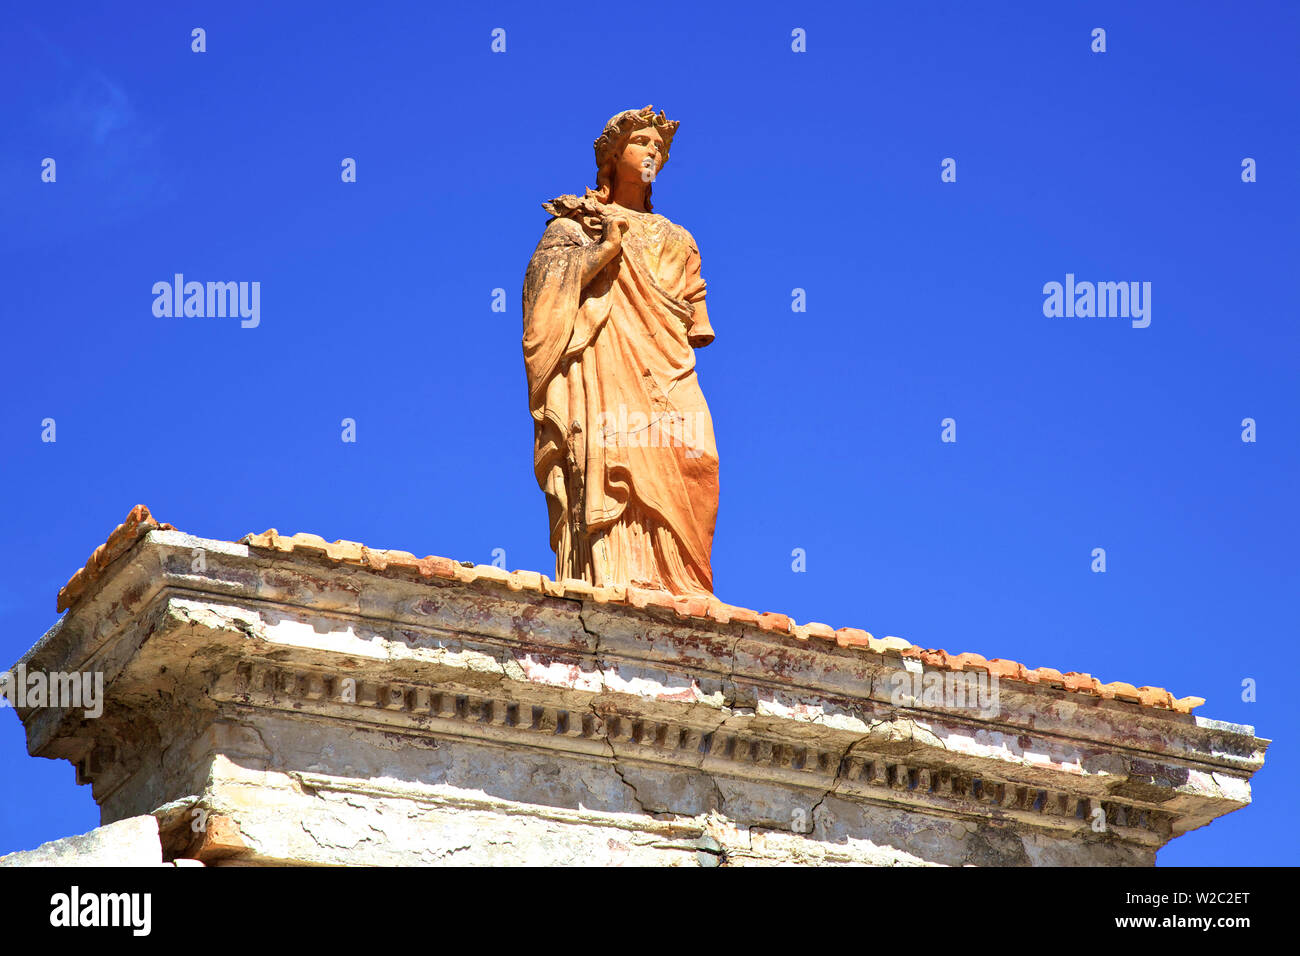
(628, 504)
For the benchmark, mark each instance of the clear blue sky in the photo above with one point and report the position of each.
(819, 171)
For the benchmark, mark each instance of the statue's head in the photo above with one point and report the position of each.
(635, 143)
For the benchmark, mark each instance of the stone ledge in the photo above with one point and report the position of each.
(130, 842)
(249, 680)
(699, 608)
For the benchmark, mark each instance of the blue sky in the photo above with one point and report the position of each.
(818, 171)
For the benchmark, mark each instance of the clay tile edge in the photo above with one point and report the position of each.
(137, 524)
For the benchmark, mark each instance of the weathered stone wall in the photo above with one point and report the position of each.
(284, 705)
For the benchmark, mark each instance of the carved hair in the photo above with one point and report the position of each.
(608, 146)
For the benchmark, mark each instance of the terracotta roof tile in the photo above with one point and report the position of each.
(969, 661)
(823, 632)
(697, 605)
(933, 658)
(137, 524)
(705, 607)
(1123, 691)
(1045, 675)
(718, 611)
(1006, 670)
(1156, 697)
(852, 637)
(434, 566)
(525, 581)
(1081, 682)
(607, 595)
(660, 599)
(743, 615)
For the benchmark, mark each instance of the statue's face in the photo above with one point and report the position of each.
(641, 157)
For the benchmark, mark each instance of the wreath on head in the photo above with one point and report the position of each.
(590, 209)
(629, 121)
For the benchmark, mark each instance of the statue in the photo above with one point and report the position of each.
(613, 311)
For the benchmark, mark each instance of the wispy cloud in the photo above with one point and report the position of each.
(95, 106)
(95, 116)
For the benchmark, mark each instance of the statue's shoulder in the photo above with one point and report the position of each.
(573, 218)
(562, 227)
(684, 235)
(562, 233)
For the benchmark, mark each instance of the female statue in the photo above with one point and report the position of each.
(613, 311)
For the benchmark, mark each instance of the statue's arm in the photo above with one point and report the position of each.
(566, 237)
(566, 259)
(700, 332)
(603, 252)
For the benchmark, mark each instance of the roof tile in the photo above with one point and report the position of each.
(1006, 670)
(934, 658)
(660, 599)
(1046, 675)
(1081, 682)
(347, 551)
(438, 567)
(742, 615)
(409, 562)
(138, 523)
(719, 611)
(1124, 691)
(1156, 697)
(692, 605)
(485, 572)
(853, 637)
(968, 661)
(818, 630)
(607, 595)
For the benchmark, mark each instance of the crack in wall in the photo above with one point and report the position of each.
(599, 723)
(839, 770)
(601, 726)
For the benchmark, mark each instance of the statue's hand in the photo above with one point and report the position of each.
(597, 257)
(614, 227)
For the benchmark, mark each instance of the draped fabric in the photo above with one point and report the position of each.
(624, 447)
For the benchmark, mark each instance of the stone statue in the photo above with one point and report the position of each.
(613, 311)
